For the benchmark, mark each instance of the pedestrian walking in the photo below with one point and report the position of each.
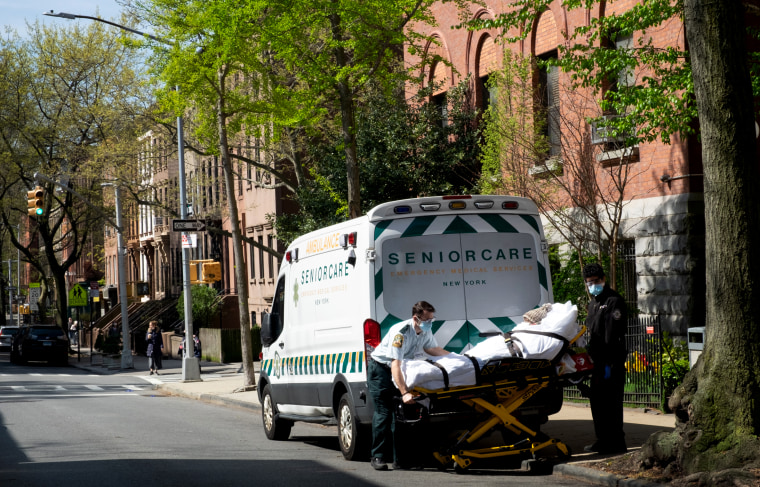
(155, 350)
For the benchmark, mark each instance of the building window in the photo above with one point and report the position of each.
(261, 256)
(270, 241)
(442, 105)
(548, 96)
(252, 259)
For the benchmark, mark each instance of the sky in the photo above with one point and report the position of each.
(14, 13)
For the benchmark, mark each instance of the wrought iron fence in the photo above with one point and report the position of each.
(643, 381)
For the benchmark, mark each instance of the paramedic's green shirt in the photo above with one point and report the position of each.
(403, 343)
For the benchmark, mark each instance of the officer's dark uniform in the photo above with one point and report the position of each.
(607, 323)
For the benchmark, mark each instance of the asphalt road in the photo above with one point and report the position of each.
(63, 426)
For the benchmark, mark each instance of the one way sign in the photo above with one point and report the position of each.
(188, 225)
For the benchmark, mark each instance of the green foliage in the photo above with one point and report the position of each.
(567, 280)
(404, 151)
(206, 303)
(675, 365)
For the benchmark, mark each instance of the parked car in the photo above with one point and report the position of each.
(47, 343)
(6, 336)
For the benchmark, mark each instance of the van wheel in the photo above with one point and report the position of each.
(353, 437)
(275, 428)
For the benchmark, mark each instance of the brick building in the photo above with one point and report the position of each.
(662, 226)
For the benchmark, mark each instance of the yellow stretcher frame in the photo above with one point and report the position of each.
(505, 385)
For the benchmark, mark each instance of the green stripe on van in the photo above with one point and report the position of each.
(503, 323)
(378, 284)
(381, 226)
(418, 226)
(532, 221)
(458, 225)
(498, 223)
(542, 275)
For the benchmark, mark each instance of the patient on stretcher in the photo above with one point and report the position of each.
(544, 334)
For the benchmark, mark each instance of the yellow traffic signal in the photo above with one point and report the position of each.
(35, 201)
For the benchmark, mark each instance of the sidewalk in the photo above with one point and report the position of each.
(223, 384)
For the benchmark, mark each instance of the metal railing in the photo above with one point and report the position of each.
(643, 380)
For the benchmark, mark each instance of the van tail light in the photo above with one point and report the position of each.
(372, 337)
(261, 355)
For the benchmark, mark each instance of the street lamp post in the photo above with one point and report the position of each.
(190, 366)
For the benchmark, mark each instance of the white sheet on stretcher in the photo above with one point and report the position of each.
(461, 371)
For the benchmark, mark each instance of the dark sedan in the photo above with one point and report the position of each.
(46, 343)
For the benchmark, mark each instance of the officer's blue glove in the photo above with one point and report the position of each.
(607, 372)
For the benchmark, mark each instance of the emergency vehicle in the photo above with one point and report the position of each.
(481, 261)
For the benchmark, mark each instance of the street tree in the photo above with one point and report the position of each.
(718, 415)
(68, 93)
(335, 48)
(404, 150)
(215, 62)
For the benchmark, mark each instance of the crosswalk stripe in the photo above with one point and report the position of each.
(131, 387)
(94, 388)
(19, 388)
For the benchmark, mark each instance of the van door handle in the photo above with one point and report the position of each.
(282, 345)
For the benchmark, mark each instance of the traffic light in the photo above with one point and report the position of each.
(35, 201)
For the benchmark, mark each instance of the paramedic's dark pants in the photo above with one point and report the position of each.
(382, 392)
(607, 405)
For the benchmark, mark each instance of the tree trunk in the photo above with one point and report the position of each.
(348, 127)
(241, 282)
(717, 408)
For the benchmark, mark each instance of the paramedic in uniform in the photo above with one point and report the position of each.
(606, 323)
(404, 341)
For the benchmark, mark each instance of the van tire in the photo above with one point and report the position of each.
(352, 437)
(275, 428)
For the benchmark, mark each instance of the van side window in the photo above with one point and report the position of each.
(272, 323)
(278, 304)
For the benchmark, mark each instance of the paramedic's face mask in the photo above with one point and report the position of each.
(595, 286)
(427, 323)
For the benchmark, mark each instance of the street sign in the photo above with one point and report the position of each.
(189, 241)
(188, 225)
(77, 296)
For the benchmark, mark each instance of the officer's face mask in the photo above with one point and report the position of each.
(595, 289)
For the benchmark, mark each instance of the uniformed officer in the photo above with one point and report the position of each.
(404, 341)
(606, 322)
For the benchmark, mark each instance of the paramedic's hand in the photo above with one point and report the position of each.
(408, 398)
(607, 372)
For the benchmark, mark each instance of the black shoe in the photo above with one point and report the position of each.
(151, 372)
(378, 463)
(157, 373)
(402, 466)
(594, 448)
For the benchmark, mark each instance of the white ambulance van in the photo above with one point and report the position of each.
(481, 261)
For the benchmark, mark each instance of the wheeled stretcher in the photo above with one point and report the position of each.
(511, 395)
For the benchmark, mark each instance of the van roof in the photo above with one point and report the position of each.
(447, 205)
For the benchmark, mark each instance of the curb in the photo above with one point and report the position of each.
(209, 398)
(597, 477)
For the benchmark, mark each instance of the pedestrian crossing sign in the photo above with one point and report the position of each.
(77, 296)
